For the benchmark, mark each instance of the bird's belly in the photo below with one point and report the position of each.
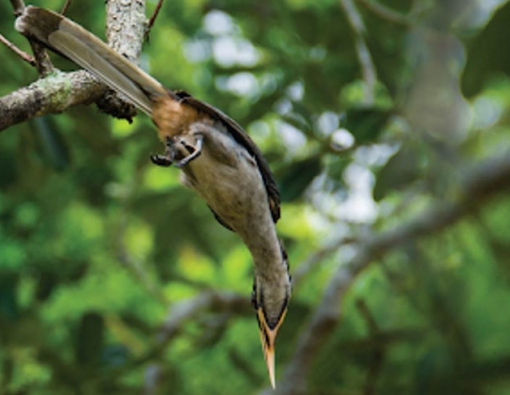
(234, 190)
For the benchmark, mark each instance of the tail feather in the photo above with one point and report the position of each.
(83, 48)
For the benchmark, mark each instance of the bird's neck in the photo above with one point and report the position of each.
(262, 241)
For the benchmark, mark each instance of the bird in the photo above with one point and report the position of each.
(217, 159)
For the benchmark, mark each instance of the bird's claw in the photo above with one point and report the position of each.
(161, 160)
(172, 152)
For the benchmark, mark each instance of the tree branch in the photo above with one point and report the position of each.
(41, 58)
(378, 351)
(65, 7)
(53, 94)
(59, 91)
(153, 18)
(23, 55)
(304, 267)
(387, 13)
(18, 6)
(362, 51)
(481, 183)
(125, 28)
(187, 310)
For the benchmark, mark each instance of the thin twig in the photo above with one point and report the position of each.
(65, 7)
(362, 51)
(153, 18)
(23, 55)
(315, 258)
(42, 59)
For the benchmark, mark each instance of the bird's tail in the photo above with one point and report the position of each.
(74, 42)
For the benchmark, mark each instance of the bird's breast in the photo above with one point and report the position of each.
(227, 177)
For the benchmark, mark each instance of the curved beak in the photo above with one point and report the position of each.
(268, 338)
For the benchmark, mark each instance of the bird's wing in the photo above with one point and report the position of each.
(245, 140)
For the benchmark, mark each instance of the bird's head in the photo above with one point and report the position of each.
(271, 294)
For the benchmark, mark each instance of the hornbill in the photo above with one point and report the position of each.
(217, 158)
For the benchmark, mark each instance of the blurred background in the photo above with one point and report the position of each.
(386, 123)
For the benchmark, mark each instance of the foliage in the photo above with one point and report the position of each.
(98, 247)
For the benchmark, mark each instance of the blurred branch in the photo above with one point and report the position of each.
(178, 315)
(307, 265)
(135, 268)
(387, 13)
(190, 309)
(362, 51)
(369, 319)
(481, 182)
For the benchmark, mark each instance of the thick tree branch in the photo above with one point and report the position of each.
(59, 91)
(481, 183)
(53, 94)
(125, 28)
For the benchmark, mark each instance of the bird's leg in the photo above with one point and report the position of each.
(194, 151)
(167, 159)
(180, 149)
(161, 160)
